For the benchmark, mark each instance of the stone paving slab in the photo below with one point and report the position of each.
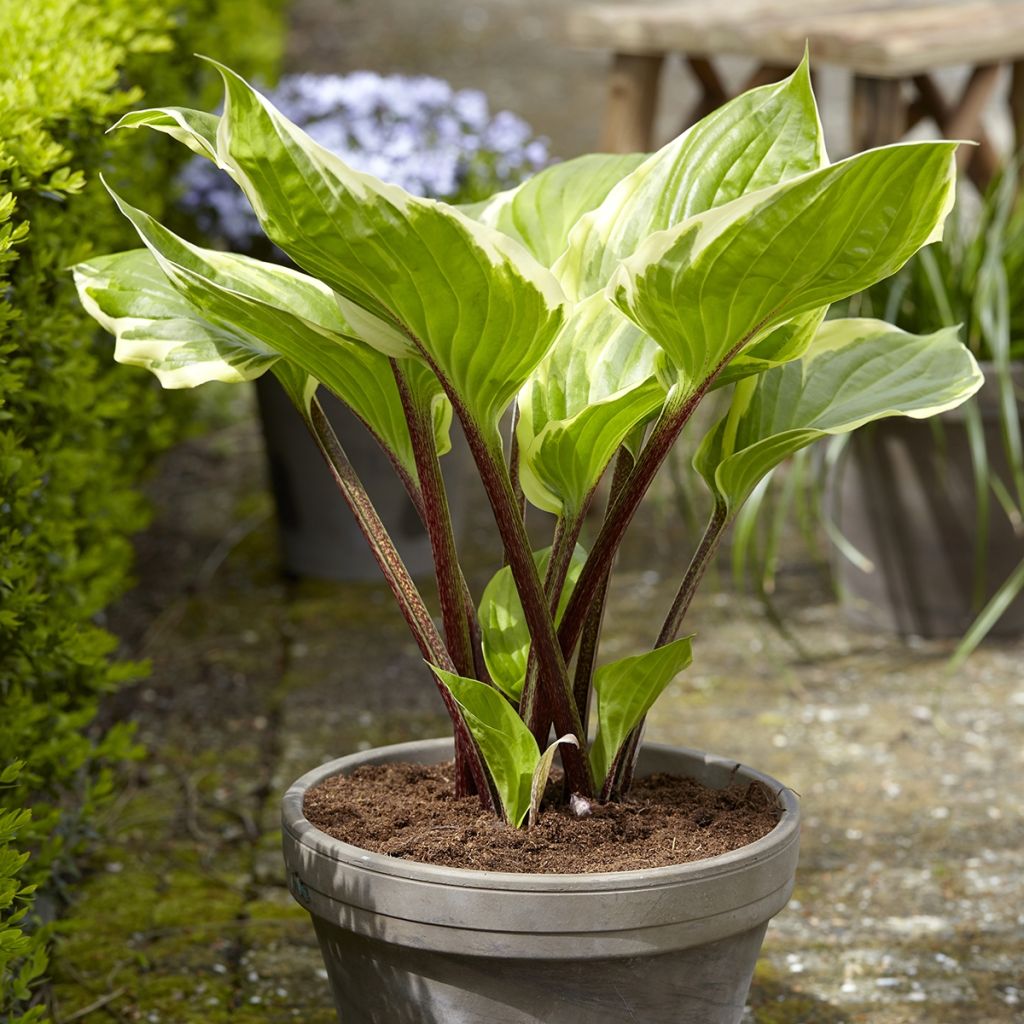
(909, 906)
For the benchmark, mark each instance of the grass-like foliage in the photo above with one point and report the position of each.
(601, 301)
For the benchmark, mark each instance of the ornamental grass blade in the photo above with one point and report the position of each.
(542, 773)
(713, 284)
(855, 372)
(507, 746)
(763, 137)
(594, 387)
(504, 634)
(542, 211)
(417, 277)
(276, 310)
(625, 691)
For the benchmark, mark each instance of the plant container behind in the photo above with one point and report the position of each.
(903, 496)
(411, 943)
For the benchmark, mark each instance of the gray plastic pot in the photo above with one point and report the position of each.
(411, 943)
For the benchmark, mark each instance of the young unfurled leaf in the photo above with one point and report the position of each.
(462, 295)
(542, 211)
(625, 691)
(716, 282)
(542, 772)
(855, 371)
(591, 390)
(765, 136)
(507, 746)
(505, 638)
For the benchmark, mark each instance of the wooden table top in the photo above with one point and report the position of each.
(882, 38)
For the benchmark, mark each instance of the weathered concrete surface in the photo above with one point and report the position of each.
(910, 900)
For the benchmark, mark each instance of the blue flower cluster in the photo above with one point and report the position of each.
(417, 132)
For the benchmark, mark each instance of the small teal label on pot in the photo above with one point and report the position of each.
(299, 888)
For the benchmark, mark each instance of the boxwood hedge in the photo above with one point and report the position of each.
(76, 432)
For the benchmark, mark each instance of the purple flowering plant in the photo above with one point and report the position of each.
(410, 130)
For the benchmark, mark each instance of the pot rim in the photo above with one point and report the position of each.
(305, 833)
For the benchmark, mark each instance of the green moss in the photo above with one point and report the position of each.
(773, 1002)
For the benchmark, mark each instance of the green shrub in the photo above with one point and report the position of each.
(75, 433)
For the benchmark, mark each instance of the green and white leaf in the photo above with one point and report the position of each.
(504, 635)
(855, 372)
(193, 128)
(279, 310)
(592, 389)
(507, 746)
(542, 773)
(542, 211)
(625, 691)
(780, 345)
(430, 280)
(757, 140)
(715, 283)
(155, 327)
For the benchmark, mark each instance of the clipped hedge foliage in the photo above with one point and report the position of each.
(76, 432)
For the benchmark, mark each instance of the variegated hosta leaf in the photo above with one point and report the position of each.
(779, 345)
(272, 309)
(194, 128)
(594, 386)
(157, 328)
(504, 635)
(716, 282)
(626, 690)
(507, 746)
(541, 211)
(427, 278)
(763, 137)
(855, 372)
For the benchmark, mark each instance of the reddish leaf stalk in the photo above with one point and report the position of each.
(438, 521)
(402, 586)
(679, 407)
(533, 708)
(591, 636)
(544, 641)
(621, 776)
(677, 412)
(490, 462)
(513, 463)
(694, 574)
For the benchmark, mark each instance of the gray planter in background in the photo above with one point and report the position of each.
(411, 943)
(903, 495)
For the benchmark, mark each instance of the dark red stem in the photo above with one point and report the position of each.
(402, 586)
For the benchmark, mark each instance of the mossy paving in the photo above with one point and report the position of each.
(909, 897)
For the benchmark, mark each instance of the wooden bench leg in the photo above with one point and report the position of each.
(962, 120)
(632, 102)
(1017, 104)
(879, 113)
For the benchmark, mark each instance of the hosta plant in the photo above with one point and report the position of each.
(601, 301)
